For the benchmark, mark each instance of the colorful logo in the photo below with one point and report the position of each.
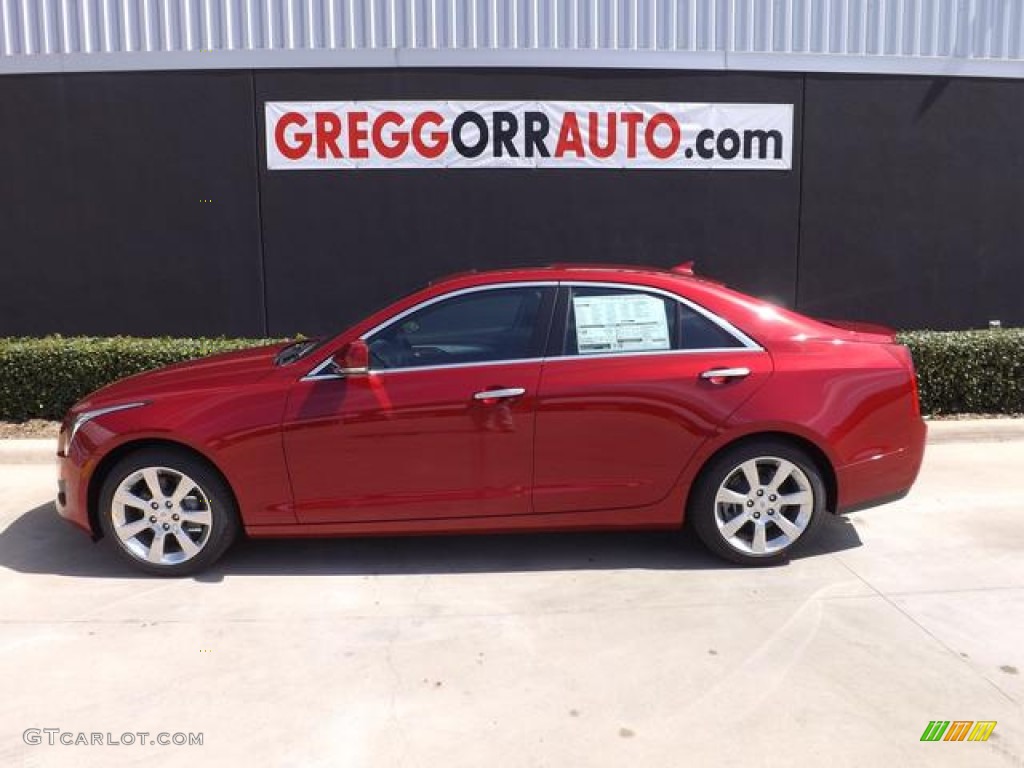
(958, 730)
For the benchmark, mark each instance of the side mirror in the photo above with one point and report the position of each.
(356, 359)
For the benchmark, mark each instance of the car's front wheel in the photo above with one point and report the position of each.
(756, 503)
(167, 512)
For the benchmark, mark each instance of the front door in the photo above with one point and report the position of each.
(441, 427)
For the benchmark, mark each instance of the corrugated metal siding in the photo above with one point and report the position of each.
(941, 36)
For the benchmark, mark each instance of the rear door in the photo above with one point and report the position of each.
(636, 380)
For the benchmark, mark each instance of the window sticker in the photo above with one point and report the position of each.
(626, 323)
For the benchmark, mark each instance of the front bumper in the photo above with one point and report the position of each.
(72, 492)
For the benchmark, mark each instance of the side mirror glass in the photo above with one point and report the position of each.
(356, 359)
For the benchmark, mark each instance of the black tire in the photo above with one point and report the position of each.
(206, 516)
(712, 520)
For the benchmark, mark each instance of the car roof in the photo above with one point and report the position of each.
(564, 271)
(757, 318)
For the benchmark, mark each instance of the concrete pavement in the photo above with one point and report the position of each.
(556, 650)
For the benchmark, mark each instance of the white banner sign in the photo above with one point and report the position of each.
(351, 135)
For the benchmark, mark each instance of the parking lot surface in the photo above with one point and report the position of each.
(533, 650)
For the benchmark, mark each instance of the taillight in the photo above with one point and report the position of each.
(902, 354)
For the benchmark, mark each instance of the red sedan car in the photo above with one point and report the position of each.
(561, 398)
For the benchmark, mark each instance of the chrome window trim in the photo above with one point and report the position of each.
(461, 292)
(554, 359)
(569, 358)
(747, 342)
(653, 353)
(317, 373)
(444, 297)
(749, 345)
(444, 366)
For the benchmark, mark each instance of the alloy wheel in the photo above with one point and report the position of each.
(161, 516)
(764, 505)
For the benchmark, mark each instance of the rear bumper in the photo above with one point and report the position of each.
(882, 478)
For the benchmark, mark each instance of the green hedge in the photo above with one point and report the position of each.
(969, 371)
(958, 371)
(42, 378)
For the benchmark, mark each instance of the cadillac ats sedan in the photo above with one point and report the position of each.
(570, 397)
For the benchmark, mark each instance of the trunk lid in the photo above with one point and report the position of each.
(858, 331)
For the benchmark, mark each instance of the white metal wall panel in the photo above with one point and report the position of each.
(969, 37)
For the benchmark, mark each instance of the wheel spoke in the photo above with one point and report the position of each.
(783, 471)
(201, 516)
(131, 530)
(797, 499)
(156, 549)
(788, 527)
(749, 469)
(126, 498)
(188, 546)
(730, 528)
(729, 496)
(184, 488)
(760, 543)
(153, 482)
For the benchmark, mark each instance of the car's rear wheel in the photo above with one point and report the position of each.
(167, 512)
(757, 503)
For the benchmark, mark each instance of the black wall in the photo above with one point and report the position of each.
(904, 205)
(102, 228)
(913, 201)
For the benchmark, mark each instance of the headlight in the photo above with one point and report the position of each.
(86, 416)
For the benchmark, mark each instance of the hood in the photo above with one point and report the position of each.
(226, 370)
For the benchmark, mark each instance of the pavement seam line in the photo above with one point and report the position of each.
(953, 652)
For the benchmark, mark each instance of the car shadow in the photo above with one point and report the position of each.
(39, 541)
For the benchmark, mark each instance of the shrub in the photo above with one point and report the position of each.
(40, 378)
(969, 371)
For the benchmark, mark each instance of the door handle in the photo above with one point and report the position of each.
(499, 394)
(722, 375)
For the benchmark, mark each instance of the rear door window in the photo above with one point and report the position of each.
(622, 320)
